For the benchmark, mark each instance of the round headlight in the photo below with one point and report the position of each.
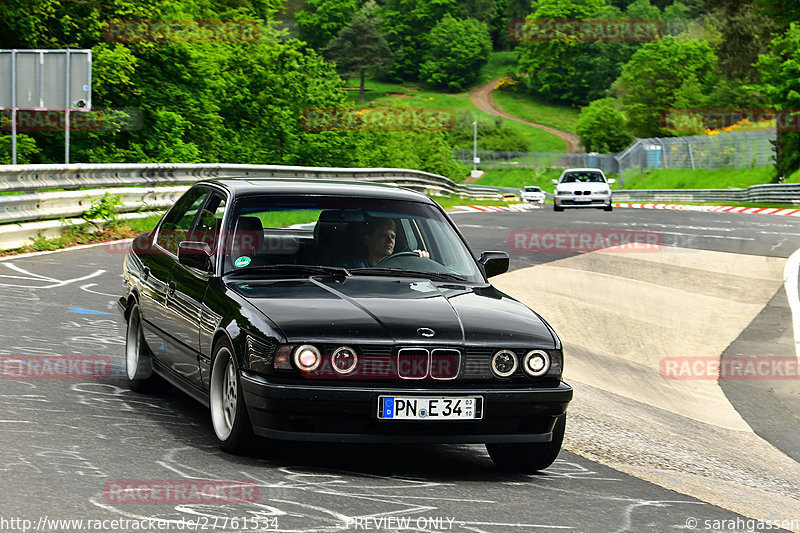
(307, 357)
(504, 363)
(344, 359)
(536, 363)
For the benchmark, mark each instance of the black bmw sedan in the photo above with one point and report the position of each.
(339, 311)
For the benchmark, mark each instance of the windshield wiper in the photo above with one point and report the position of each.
(444, 276)
(311, 270)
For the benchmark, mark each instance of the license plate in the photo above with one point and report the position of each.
(430, 407)
(581, 199)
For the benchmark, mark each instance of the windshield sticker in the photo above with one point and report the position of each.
(242, 261)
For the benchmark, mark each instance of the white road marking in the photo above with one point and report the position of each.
(790, 281)
(37, 277)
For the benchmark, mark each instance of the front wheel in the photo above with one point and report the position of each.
(228, 413)
(529, 457)
(557, 208)
(609, 207)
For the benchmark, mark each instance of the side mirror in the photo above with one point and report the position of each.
(494, 263)
(612, 180)
(195, 255)
(554, 182)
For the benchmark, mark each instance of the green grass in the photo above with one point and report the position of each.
(556, 116)
(500, 64)
(380, 94)
(520, 177)
(726, 178)
(142, 225)
(794, 177)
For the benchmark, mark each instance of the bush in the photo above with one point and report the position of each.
(456, 51)
(492, 135)
(602, 128)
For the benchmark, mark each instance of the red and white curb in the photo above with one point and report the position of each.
(488, 208)
(718, 209)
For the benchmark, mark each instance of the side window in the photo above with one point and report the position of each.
(209, 222)
(177, 223)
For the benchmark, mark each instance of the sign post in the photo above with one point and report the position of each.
(45, 80)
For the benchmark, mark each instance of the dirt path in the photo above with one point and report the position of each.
(482, 98)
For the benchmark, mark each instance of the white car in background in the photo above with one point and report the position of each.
(582, 187)
(533, 195)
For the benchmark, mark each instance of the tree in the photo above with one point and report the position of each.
(602, 127)
(742, 28)
(783, 13)
(456, 51)
(405, 24)
(649, 85)
(567, 69)
(360, 48)
(322, 20)
(780, 75)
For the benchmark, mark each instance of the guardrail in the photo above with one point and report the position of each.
(780, 193)
(147, 187)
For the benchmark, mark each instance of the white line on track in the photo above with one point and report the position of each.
(790, 282)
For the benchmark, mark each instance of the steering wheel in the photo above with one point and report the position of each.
(391, 258)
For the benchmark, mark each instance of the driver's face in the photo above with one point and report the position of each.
(381, 242)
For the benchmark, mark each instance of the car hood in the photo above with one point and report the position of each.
(369, 309)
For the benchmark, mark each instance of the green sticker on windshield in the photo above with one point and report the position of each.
(242, 261)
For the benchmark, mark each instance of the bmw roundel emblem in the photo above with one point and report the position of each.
(426, 332)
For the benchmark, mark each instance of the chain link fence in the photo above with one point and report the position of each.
(743, 149)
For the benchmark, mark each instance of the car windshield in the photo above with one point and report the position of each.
(532, 189)
(583, 177)
(269, 234)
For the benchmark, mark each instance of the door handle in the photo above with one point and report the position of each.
(171, 286)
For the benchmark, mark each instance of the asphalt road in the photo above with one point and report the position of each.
(62, 441)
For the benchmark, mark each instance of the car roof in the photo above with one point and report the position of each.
(245, 186)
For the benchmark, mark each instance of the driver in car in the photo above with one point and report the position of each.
(378, 239)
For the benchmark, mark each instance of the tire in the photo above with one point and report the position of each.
(138, 362)
(529, 457)
(229, 417)
(609, 207)
(557, 208)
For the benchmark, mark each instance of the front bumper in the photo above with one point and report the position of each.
(349, 414)
(586, 201)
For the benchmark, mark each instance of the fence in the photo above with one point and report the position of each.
(153, 187)
(741, 149)
(491, 160)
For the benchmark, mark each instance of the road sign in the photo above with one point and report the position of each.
(45, 80)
